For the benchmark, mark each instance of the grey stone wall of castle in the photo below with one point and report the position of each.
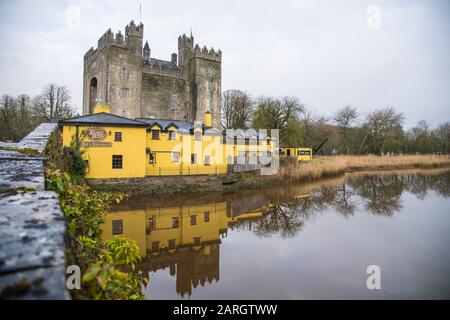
(122, 73)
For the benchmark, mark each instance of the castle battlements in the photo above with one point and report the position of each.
(204, 53)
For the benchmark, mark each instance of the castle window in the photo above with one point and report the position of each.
(193, 220)
(152, 158)
(124, 73)
(172, 135)
(197, 242)
(117, 161)
(207, 160)
(155, 134)
(117, 136)
(197, 135)
(117, 227)
(175, 156)
(124, 92)
(193, 158)
(206, 216)
(175, 222)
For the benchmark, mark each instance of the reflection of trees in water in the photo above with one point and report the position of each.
(284, 218)
(378, 194)
(345, 202)
(381, 194)
(420, 185)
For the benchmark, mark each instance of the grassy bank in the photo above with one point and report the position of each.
(332, 166)
(322, 167)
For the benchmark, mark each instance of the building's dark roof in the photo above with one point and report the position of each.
(161, 63)
(166, 123)
(104, 118)
(146, 46)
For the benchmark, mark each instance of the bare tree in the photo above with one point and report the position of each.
(237, 107)
(54, 102)
(273, 113)
(8, 114)
(345, 118)
(379, 126)
(442, 134)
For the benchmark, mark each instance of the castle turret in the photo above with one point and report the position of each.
(146, 52)
(185, 45)
(133, 37)
(174, 58)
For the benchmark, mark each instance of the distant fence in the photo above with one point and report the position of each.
(186, 170)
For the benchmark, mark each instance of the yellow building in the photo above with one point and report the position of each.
(301, 154)
(114, 146)
(118, 147)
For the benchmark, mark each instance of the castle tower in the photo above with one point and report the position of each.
(122, 73)
(185, 45)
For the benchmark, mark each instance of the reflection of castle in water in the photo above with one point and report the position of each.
(185, 238)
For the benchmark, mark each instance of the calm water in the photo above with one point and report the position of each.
(297, 242)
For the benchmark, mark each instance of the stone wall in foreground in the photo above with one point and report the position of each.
(32, 226)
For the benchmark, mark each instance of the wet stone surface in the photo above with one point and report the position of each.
(31, 245)
(21, 173)
(32, 226)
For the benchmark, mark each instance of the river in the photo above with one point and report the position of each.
(306, 241)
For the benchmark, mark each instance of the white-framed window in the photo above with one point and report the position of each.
(207, 160)
(172, 135)
(197, 135)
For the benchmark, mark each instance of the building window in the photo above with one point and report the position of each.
(155, 246)
(117, 136)
(207, 160)
(124, 73)
(117, 227)
(197, 242)
(175, 222)
(175, 156)
(152, 158)
(193, 158)
(86, 164)
(206, 216)
(171, 244)
(172, 135)
(152, 223)
(197, 135)
(288, 152)
(124, 92)
(155, 134)
(117, 161)
(193, 220)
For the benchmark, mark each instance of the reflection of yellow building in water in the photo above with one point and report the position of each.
(184, 238)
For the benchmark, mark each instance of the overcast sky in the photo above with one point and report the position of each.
(369, 54)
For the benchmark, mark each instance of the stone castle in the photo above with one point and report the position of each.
(122, 73)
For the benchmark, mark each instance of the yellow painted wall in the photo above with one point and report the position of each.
(132, 148)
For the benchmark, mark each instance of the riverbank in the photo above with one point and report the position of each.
(331, 166)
